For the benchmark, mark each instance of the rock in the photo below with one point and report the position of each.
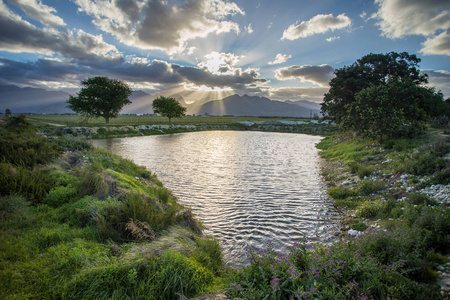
(352, 232)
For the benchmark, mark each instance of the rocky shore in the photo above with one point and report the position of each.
(398, 189)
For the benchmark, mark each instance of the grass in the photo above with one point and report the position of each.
(92, 225)
(124, 120)
(73, 225)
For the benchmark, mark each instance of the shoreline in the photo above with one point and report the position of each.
(102, 132)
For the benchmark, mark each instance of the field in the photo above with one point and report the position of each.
(74, 120)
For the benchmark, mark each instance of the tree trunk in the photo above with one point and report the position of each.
(107, 120)
(170, 121)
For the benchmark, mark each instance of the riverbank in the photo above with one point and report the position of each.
(100, 132)
(395, 235)
(82, 223)
(77, 222)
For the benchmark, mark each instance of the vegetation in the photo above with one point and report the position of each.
(100, 97)
(383, 95)
(92, 225)
(396, 256)
(125, 120)
(168, 107)
(81, 223)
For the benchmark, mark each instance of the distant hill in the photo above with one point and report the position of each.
(254, 106)
(305, 104)
(40, 101)
(32, 100)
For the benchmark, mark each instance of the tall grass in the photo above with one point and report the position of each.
(68, 226)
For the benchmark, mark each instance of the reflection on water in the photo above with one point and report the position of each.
(246, 187)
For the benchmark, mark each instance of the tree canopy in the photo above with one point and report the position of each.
(101, 97)
(382, 94)
(168, 107)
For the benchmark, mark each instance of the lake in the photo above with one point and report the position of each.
(248, 188)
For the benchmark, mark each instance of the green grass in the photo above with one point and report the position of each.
(123, 120)
(74, 227)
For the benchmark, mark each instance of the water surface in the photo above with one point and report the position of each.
(246, 187)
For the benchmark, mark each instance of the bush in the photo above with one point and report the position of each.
(360, 170)
(34, 184)
(20, 144)
(370, 209)
(367, 187)
(341, 193)
(60, 195)
(420, 199)
(73, 144)
(16, 210)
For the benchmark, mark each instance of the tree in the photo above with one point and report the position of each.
(8, 112)
(168, 107)
(379, 115)
(372, 69)
(397, 78)
(100, 97)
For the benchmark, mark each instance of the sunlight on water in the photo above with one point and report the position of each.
(246, 187)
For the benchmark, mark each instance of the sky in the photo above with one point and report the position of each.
(209, 49)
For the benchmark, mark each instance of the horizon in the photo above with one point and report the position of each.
(202, 50)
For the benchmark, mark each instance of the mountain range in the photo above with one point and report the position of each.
(41, 101)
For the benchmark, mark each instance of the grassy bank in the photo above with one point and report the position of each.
(127, 120)
(82, 223)
(126, 126)
(394, 235)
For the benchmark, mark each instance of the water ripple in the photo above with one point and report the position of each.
(246, 187)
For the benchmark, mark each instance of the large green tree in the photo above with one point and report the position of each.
(388, 109)
(168, 107)
(391, 80)
(100, 97)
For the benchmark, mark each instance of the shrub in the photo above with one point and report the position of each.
(367, 187)
(359, 227)
(21, 145)
(179, 274)
(419, 199)
(92, 181)
(370, 209)
(16, 210)
(209, 254)
(360, 170)
(72, 143)
(60, 195)
(34, 184)
(341, 193)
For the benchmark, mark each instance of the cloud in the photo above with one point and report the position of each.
(330, 39)
(439, 79)
(18, 35)
(38, 11)
(161, 24)
(298, 93)
(136, 70)
(279, 59)
(320, 75)
(399, 18)
(248, 29)
(219, 63)
(437, 45)
(318, 24)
